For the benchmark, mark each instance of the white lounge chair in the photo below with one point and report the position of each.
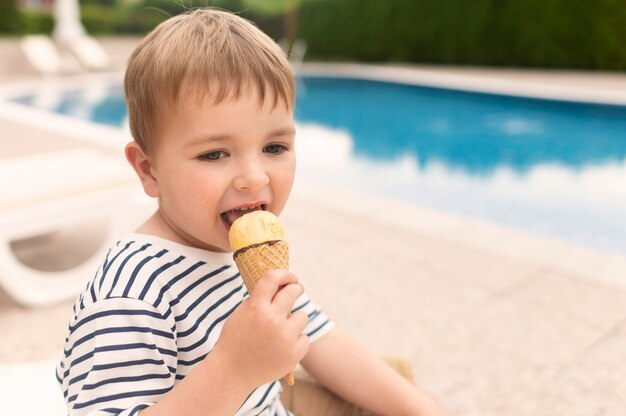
(89, 53)
(44, 193)
(70, 34)
(74, 55)
(44, 56)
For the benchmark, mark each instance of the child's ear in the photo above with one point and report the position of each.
(143, 166)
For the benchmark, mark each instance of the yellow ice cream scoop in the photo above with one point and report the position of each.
(254, 228)
(258, 242)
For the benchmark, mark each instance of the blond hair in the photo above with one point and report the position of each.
(208, 52)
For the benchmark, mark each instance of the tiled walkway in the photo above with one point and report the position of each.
(496, 322)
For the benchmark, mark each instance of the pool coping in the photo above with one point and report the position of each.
(468, 82)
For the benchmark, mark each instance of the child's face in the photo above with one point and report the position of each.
(212, 160)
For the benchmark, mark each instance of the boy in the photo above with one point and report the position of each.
(166, 327)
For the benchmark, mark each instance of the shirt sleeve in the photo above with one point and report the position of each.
(319, 323)
(120, 358)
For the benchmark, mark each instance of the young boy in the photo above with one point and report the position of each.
(166, 326)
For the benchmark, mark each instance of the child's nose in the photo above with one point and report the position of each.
(252, 177)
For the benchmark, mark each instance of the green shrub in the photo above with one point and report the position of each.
(106, 3)
(98, 19)
(35, 23)
(530, 33)
(9, 22)
(142, 16)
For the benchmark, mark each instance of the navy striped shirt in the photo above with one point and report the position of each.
(153, 310)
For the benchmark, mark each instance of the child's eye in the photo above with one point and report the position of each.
(275, 149)
(213, 156)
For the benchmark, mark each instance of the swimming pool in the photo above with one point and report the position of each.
(549, 167)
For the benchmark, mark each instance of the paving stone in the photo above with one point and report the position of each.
(593, 385)
(478, 268)
(503, 357)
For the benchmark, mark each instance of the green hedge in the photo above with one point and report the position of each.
(35, 22)
(9, 20)
(139, 17)
(531, 33)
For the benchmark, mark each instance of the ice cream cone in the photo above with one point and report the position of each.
(257, 259)
(257, 240)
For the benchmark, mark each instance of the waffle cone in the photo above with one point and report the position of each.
(254, 261)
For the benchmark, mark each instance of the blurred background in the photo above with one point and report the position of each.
(518, 33)
(461, 179)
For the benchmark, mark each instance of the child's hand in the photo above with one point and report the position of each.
(261, 341)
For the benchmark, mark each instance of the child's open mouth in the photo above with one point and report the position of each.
(230, 216)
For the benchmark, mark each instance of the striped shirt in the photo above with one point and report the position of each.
(153, 310)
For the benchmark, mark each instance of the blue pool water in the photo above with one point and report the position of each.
(553, 168)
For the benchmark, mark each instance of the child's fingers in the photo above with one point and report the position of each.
(299, 320)
(286, 297)
(271, 282)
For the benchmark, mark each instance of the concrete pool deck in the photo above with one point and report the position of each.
(496, 321)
